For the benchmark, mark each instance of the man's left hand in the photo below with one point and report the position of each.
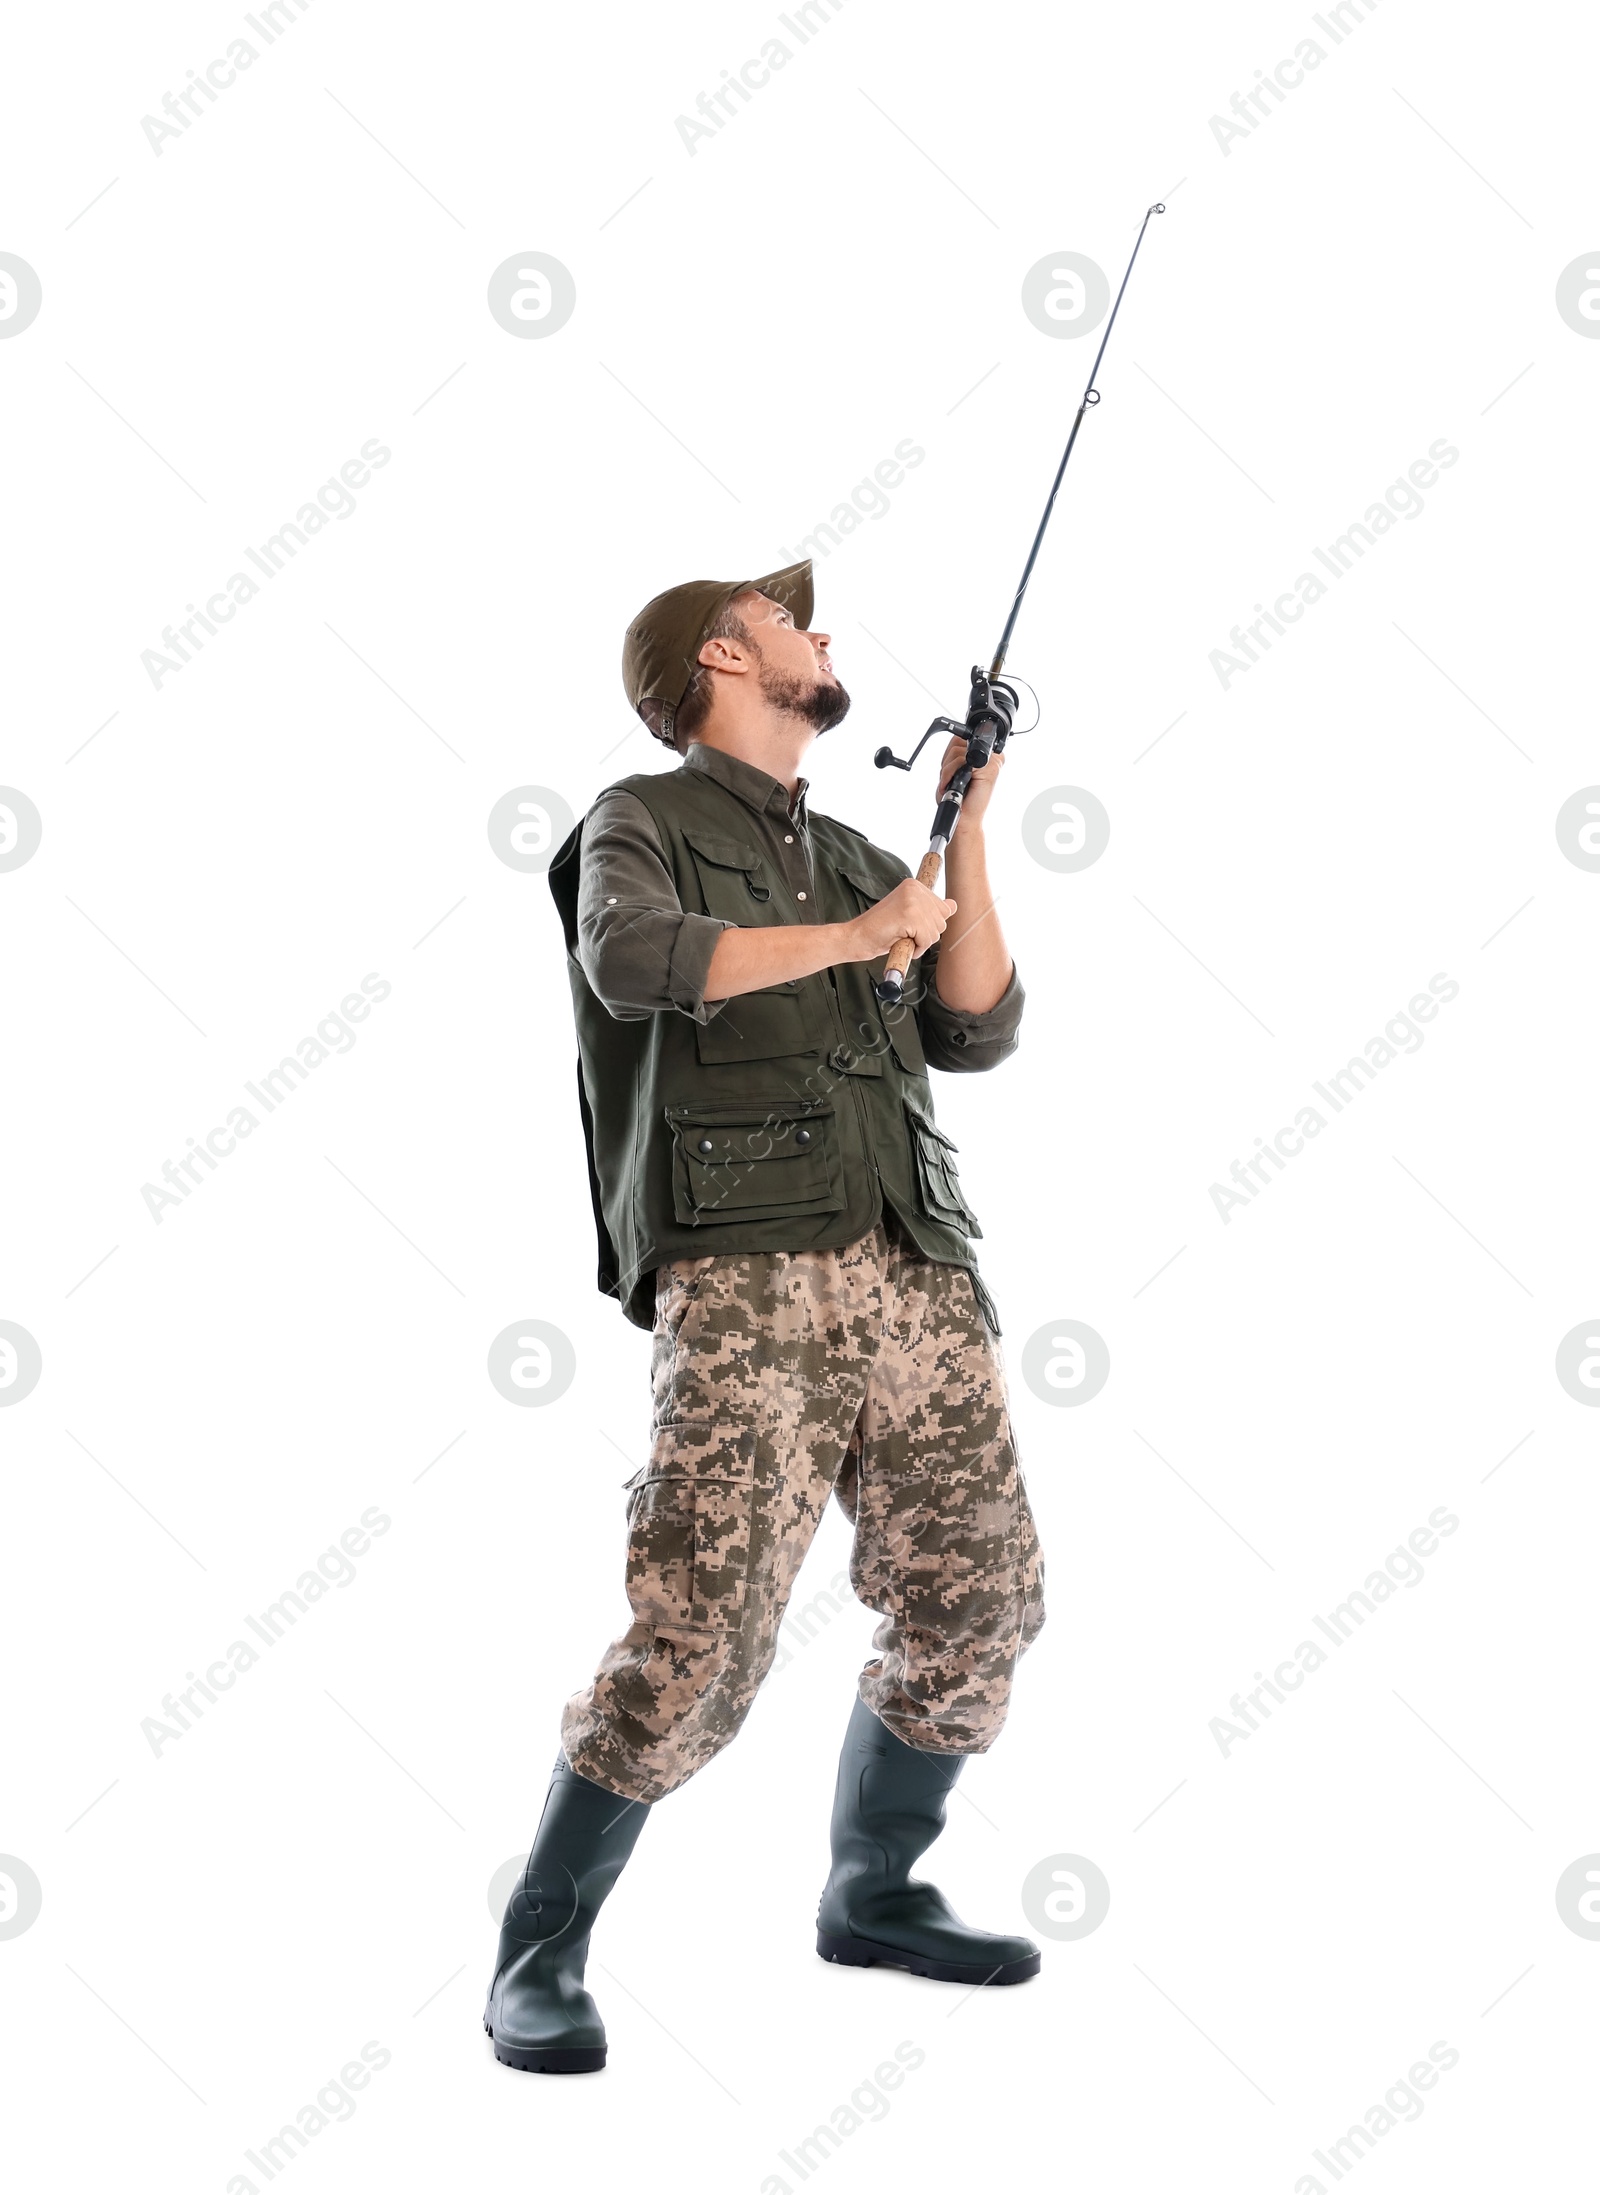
(980, 791)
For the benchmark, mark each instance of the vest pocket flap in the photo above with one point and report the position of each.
(745, 1162)
(874, 881)
(759, 1145)
(725, 853)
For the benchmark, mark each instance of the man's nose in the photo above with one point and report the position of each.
(820, 640)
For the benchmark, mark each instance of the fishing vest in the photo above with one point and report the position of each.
(789, 1118)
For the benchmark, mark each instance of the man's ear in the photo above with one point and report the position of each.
(722, 654)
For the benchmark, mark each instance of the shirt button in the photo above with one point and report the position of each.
(611, 903)
(788, 838)
(799, 895)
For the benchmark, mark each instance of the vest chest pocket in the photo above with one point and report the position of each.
(772, 1024)
(869, 885)
(733, 879)
(732, 1163)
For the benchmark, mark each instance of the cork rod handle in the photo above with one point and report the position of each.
(892, 981)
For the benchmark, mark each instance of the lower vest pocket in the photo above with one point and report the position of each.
(690, 1519)
(937, 1180)
(734, 1163)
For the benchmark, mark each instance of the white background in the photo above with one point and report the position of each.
(307, 1868)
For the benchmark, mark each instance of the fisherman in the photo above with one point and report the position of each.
(774, 1199)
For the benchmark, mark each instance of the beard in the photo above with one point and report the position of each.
(822, 703)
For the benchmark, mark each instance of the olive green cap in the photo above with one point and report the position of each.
(661, 652)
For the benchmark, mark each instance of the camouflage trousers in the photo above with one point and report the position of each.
(780, 1377)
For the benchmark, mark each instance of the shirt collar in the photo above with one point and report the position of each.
(756, 788)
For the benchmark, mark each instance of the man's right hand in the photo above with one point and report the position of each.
(785, 952)
(910, 910)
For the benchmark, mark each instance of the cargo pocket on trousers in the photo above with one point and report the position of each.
(690, 1517)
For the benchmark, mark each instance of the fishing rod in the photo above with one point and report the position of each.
(992, 701)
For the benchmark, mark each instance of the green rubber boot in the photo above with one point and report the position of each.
(539, 2016)
(887, 1809)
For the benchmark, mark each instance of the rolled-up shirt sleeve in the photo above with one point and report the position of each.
(640, 951)
(963, 1043)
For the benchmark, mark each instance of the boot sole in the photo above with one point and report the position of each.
(858, 1951)
(528, 2059)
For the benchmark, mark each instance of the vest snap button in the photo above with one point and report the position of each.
(705, 1144)
(802, 1137)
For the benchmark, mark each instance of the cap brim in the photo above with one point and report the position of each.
(792, 587)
